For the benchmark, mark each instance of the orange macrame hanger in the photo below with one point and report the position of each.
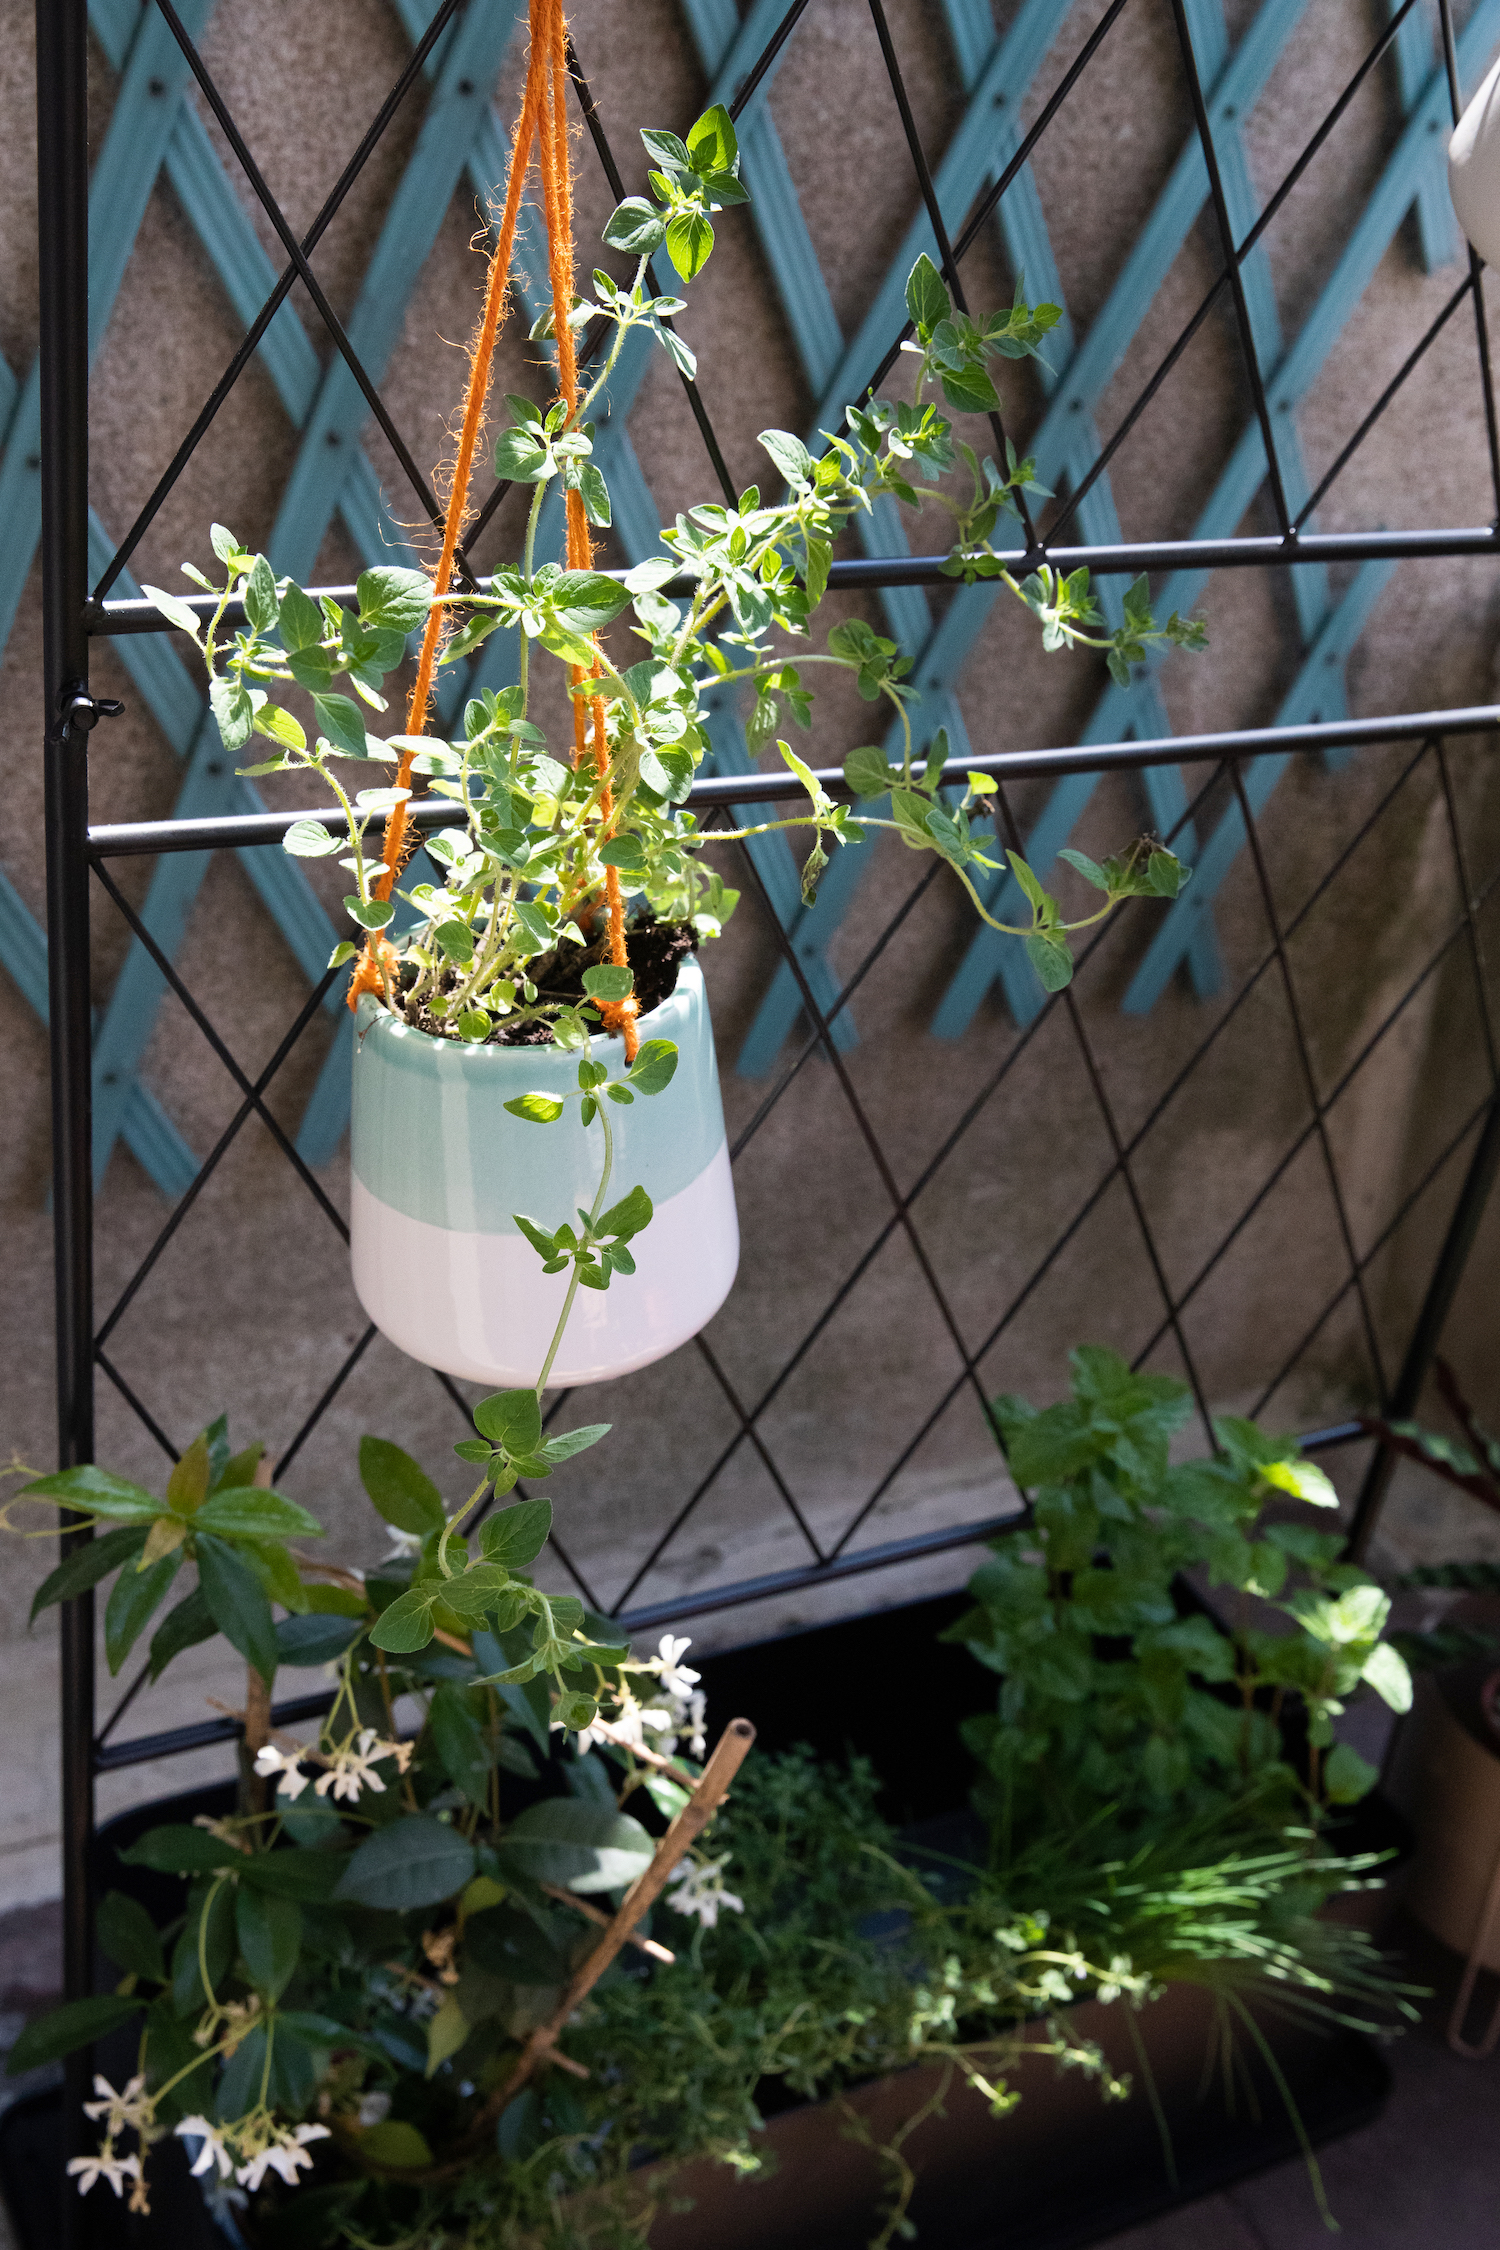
(542, 126)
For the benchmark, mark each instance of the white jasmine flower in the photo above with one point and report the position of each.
(374, 1746)
(404, 1544)
(673, 1674)
(290, 2156)
(105, 2166)
(690, 1718)
(269, 1760)
(353, 1768)
(211, 2152)
(346, 1776)
(697, 1888)
(349, 1772)
(130, 2108)
(286, 2156)
(374, 2108)
(626, 1724)
(250, 2175)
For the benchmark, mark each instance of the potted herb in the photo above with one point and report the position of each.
(571, 894)
(1112, 1696)
(415, 1987)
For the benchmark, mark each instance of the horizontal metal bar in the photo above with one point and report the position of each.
(1337, 1433)
(132, 839)
(111, 619)
(816, 1574)
(882, 1558)
(178, 1740)
(143, 1748)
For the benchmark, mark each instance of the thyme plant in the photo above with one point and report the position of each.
(727, 606)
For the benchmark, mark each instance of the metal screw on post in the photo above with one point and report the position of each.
(81, 713)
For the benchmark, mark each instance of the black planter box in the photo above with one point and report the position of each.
(1064, 2170)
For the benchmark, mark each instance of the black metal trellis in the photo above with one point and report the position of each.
(76, 853)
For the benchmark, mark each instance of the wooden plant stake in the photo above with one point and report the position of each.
(709, 1793)
(713, 1786)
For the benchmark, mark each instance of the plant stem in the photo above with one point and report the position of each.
(712, 1787)
(605, 372)
(203, 1942)
(187, 2070)
(449, 1528)
(598, 1205)
(527, 554)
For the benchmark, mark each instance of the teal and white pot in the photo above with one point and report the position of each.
(1474, 169)
(440, 1169)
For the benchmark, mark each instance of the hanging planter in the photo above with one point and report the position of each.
(440, 1169)
(1474, 169)
(585, 838)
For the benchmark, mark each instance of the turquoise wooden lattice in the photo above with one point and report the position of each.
(155, 132)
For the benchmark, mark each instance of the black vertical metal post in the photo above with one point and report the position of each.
(1428, 1332)
(63, 181)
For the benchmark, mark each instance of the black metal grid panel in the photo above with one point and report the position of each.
(1044, 544)
(1420, 758)
(72, 611)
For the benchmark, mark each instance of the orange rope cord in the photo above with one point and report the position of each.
(557, 192)
(370, 974)
(542, 123)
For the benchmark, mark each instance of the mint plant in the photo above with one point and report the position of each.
(1108, 1711)
(727, 606)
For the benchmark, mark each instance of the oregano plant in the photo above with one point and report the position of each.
(727, 606)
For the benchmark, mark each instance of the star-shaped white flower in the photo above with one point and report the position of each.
(89, 2170)
(674, 1675)
(353, 1768)
(285, 2156)
(269, 1760)
(348, 1774)
(212, 2151)
(130, 2108)
(696, 1888)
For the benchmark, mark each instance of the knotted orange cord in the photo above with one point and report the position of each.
(557, 193)
(542, 123)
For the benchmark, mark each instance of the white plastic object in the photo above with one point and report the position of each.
(1474, 169)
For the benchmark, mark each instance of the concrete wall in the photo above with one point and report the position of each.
(251, 1309)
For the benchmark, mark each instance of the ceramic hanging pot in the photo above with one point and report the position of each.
(1474, 169)
(440, 1169)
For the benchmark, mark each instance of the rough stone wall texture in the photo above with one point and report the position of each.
(250, 1309)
